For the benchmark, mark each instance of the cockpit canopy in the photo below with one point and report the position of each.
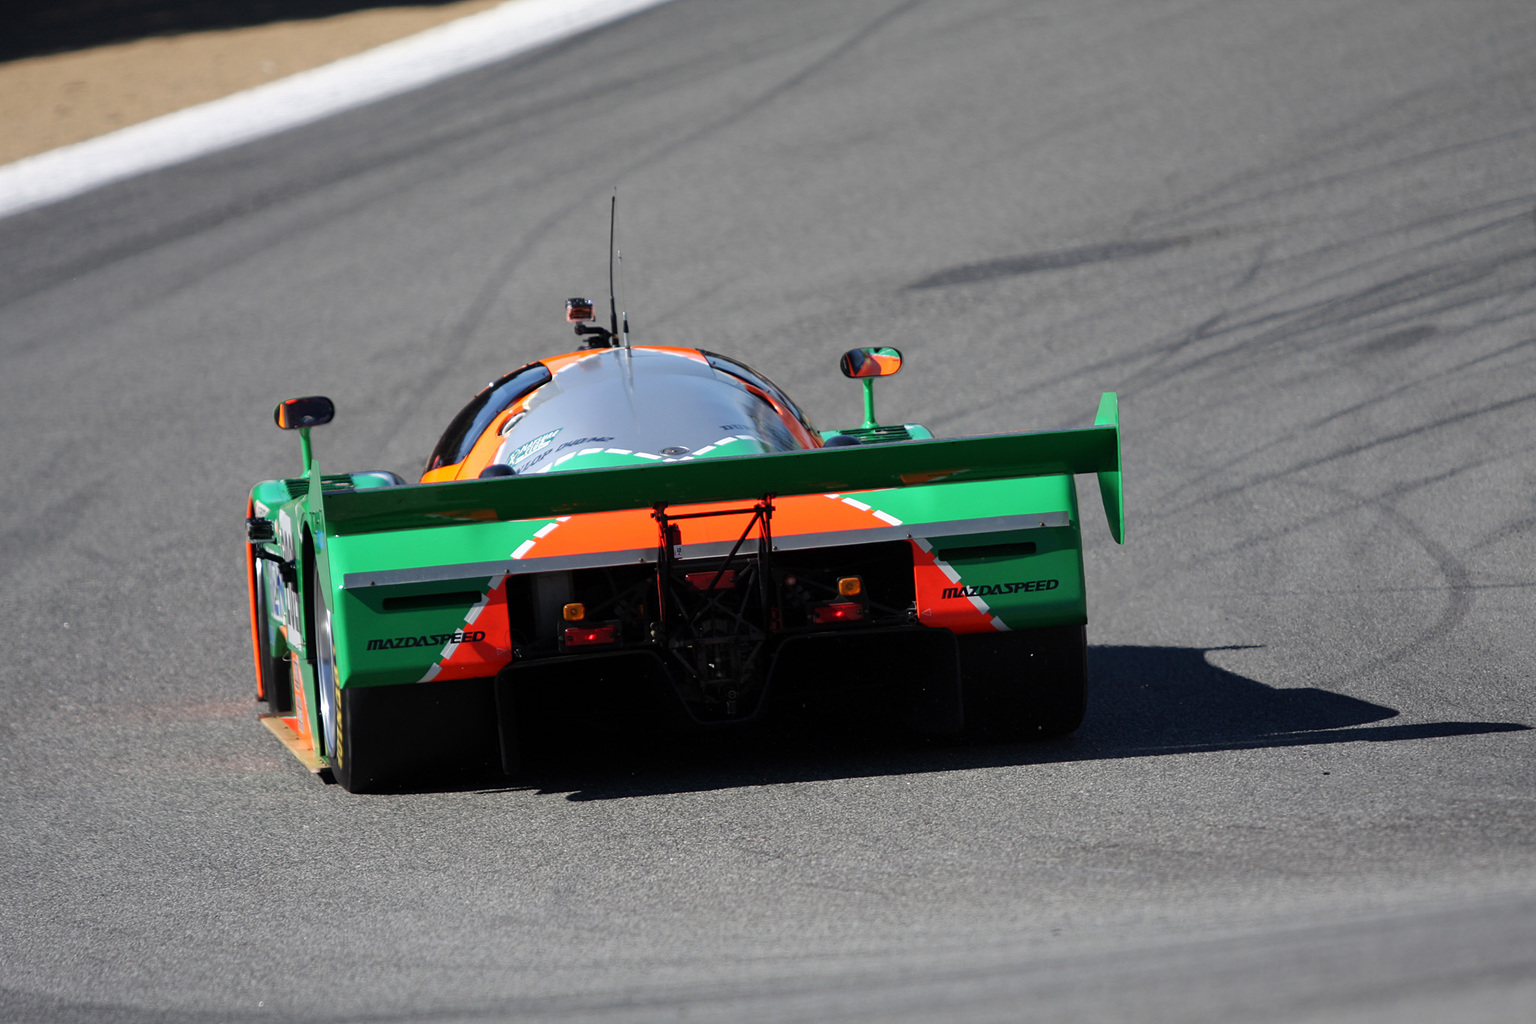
(644, 404)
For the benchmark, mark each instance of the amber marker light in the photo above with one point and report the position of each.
(850, 586)
(574, 612)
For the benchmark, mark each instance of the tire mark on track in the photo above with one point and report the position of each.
(1430, 292)
(1338, 178)
(1223, 468)
(1402, 299)
(1034, 263)
(456, 338)
(1398, 490)
(1459, 588)
(1350, 450)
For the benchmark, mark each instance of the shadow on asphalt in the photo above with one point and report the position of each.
(1143, 701)
(33, 29)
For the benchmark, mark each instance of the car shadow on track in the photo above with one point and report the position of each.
(1143, 701)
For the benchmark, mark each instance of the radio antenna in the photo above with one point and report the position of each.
(613, 302)
(579, 311)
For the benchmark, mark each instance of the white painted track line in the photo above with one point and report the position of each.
(480, 39)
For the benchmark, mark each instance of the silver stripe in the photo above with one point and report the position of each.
(438, 573)
(427, 574)
(956, 528)
(585, 560)
(646, 556)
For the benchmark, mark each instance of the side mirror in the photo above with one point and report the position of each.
(866, 364)
(870, 362)
(298, 413)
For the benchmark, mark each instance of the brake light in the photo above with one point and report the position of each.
(591, 636)
(837, 611)
(702, 580)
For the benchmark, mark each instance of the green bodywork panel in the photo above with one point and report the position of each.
(360, 524)
(361, 615)
(1057, 559)
(1111, 484)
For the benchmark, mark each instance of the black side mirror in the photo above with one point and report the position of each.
(297, 413)
(870, 362)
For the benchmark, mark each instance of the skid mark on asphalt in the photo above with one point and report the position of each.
(1459, 594)
(457, 337)
(1223, 469)
(1281, 325)
(1063, 259)
(1346, 452)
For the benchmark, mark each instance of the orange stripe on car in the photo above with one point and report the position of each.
(931, 577)
(482, 657)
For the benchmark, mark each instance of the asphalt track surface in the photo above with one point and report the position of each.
(1299, 239)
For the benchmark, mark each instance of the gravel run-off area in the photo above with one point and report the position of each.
(57, 99)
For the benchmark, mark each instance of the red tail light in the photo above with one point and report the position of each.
(702, 580)
(837, 611)
(591, 636)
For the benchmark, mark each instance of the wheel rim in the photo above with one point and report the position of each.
(325, 682)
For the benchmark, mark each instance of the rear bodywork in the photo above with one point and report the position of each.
(424, 627)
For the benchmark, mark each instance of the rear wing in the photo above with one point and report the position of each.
(1094, 449)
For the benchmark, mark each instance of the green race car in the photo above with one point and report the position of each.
(658, 538)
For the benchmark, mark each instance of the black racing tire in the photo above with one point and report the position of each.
(339, 746)
(339, 753)
(1025, 684)
(321, 646)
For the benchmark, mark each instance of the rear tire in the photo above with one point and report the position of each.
(1025, 684)
(333, 725)
(334, 743)
(338, 744)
